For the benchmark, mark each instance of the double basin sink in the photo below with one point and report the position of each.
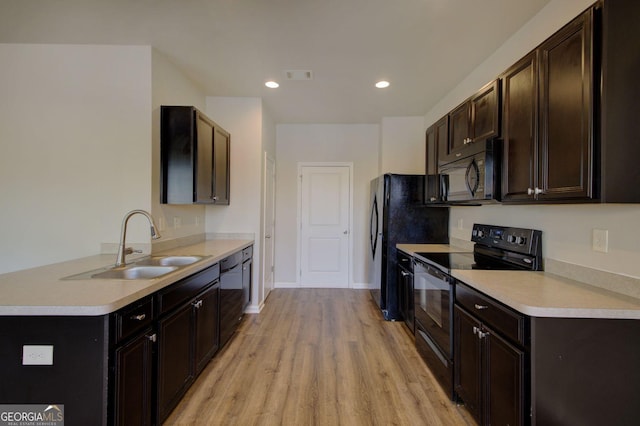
(145, 268)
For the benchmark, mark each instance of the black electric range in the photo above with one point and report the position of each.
(495, 248)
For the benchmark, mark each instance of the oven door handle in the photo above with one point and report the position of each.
(438, 274)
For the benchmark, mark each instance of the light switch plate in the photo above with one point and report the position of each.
(37, 355)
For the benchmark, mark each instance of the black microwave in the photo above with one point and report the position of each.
(473, 179)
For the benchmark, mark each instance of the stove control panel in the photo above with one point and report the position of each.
(520, 240)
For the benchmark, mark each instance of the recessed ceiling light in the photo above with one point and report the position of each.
(382, 84)
(272, 84)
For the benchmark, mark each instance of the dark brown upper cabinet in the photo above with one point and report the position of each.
(619, 180)
(194, 153)
(476, 119)
(437, 137)
(548, 124)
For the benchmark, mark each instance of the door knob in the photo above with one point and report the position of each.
(346, 232)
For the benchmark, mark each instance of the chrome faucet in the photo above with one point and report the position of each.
(122, 251)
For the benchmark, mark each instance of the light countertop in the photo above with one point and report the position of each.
(541, 294)
(42, 291)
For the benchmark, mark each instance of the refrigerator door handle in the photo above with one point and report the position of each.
(374, 223)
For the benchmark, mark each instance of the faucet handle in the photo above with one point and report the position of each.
(130, 250)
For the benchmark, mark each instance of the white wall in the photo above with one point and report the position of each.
(356, 143)
(75, 131)
(172, 87)
(402, 145)
(567, 228)
(242, 117)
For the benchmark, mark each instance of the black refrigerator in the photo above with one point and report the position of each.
(398, 216)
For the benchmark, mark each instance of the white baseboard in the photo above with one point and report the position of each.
(355, 286)
(285, 285)
(254, 309)
(360, 286)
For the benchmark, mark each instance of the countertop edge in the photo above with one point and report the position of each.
(543, 283)
(147, 286)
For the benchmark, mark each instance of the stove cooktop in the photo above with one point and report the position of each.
(449, 261)
(495, 248)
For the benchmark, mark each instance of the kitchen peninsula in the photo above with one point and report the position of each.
(87, 327)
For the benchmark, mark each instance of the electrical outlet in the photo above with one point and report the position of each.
(460, 223)
(600, 240)
(197, 220)
(177, 222)
(161, 224)
(37, 355)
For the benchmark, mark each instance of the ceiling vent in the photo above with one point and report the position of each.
(299, 74)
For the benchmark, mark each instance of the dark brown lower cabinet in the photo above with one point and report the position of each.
(187, 339)
(206, 310)
(175, 359)
(489, 372)
(134, 380)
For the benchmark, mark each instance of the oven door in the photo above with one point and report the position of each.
(432, 299)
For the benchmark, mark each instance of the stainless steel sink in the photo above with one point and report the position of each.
(135, 272)
(169, 260)
(145, 268)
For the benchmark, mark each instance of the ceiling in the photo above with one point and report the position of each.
(231, 47)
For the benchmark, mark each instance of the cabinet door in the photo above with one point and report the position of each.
(519, 128)
(566, 112)
(247, 268)
(485, 112)
(133, 381)
(175, 359)
(436, 151)
(459, 129)
(431, 151)
(206, 308)
(442, 137)
(405, 284)
(467, 361)
(505, 381)
(221, 166)
(204, 160)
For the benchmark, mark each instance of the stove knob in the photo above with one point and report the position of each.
(480, 233)
(521, 240)
(511, 238)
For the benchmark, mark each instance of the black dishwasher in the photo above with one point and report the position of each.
(231, 295)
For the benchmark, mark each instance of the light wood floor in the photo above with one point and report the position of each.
(317, 357)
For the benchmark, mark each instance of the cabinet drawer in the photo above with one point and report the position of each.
(507, 322)
(247, 253)
(133, 317)
(185, 289)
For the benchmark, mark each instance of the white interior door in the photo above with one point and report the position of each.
(325, 212)
(269, 225)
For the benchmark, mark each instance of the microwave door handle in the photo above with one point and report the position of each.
(444, 185)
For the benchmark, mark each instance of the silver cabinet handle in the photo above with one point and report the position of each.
(197, 304)
(480, 307)
(404, 274)
(267, 236)
(153, 337)
(476, 330)
(346, 232)
(139, 317)
(538, 191)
